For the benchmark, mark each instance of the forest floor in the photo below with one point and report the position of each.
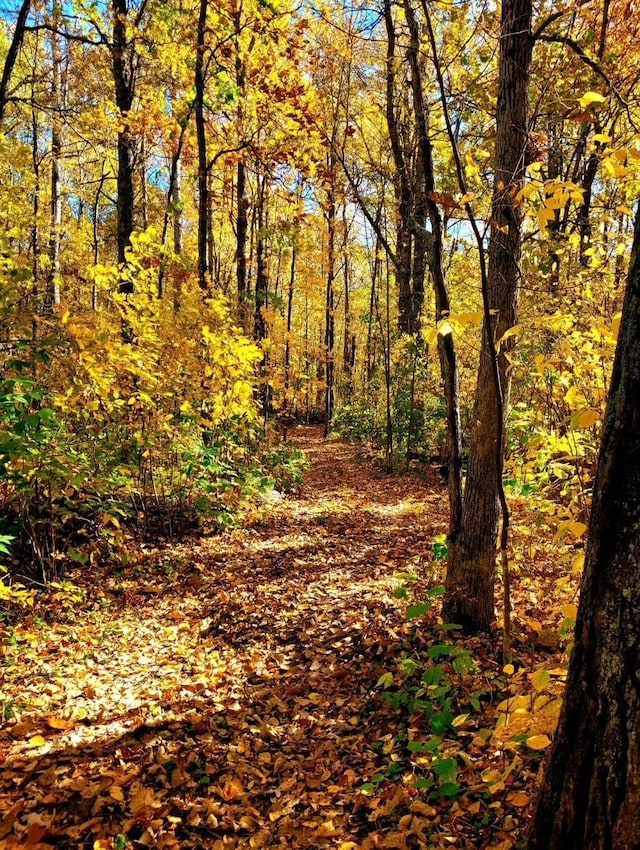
(264, 688)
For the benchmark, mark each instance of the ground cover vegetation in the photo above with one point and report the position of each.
(408, 227)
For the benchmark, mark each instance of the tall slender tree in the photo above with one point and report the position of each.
(472, 554)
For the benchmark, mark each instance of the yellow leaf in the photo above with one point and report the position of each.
(585, 418)
(540, 679)
(569, 611)
(538, 742)
(470, 318)
(445, 328)
(385, 681)
(578, 528)
(544, 215)
(37, 741)
(590, 97)
(513, 331)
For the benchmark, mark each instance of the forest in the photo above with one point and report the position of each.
(319, 404)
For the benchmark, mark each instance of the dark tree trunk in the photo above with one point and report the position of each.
(124, 63)
(242, 229)
(435, 244)
(554, 172)
(52, 293)
(203, 165)
(262, 279)
(329, 312)
(590, 798)
(584, 213)
(12, 55)
(287, 349)
(242, 202)
(472, 555)
(408, 310)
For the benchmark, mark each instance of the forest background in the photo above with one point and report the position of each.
(221, 219)
(410, 222)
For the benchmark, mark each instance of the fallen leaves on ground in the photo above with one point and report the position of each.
(248, 691)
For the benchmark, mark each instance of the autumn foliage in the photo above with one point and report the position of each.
(407, 223)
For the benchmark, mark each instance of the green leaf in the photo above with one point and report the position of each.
(449, 789)
(441, 721)
(439, 650)
(414, 611)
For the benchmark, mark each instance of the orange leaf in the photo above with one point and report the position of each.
(58, 723)
(519, 799)
(231, 790)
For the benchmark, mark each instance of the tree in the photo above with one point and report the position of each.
(590, 796)
(472, 552)
(12, 55)
(125, 67)
(203, 165)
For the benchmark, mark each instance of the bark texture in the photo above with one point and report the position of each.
(125, 67)
(203, 167)
(472, 554)
(590, 798)
(435, 254)
(410, 253)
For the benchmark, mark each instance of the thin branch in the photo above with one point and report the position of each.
(70, 36)
(547, 23)
(595, 67)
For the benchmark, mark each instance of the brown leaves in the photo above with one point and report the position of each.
(258, 728)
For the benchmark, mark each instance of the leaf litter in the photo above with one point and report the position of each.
(264, 689)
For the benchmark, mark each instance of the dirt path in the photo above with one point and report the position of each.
(219, 693)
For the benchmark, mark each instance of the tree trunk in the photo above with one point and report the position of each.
(176, 202)
(407, 313)
(287, 347)
(329, 312)
(12, 55)
(590, 798)
(472, 555)
(242, 228)
(434, 249)
(203, 164)
(52, 294)
(124, 76)
(242, 202)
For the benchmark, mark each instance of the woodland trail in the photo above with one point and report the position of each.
(221, 693)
